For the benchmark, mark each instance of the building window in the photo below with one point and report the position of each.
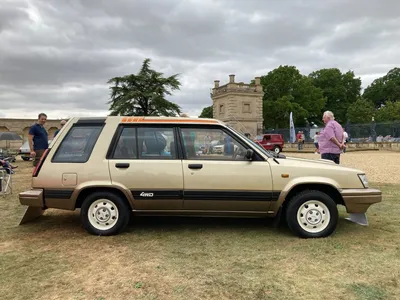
(221, 109)
(246, 108)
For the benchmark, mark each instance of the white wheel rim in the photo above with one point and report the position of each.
(277, 150)
(103, 214)
(313, 216)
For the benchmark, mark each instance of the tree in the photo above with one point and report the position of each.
(143, 94)
(207, 112)
(360, 112)
(383, 89)
(285, 90)
(340, 90)
(389, 112)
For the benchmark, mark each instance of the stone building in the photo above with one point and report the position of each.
(21, 127)
(239, 105)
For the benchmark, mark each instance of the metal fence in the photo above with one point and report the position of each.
(377, 132)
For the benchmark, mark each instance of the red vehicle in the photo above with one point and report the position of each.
(272, 142)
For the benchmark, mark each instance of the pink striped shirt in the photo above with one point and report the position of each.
(332, 129)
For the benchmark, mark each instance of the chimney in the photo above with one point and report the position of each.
(216, 83)
(258, 80)
(232, 78)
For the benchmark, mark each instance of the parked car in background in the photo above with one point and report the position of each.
(25, 152)
(273, 142)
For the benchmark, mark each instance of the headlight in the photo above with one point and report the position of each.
(363, 179)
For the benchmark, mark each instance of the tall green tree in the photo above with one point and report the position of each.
(389, 112)
(143, 94)
(385, 88)
(286, 90)
(340, 89)
(360, 112)
(207, 112)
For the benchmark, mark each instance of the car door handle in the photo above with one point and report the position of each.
(195, 166)
(122, 165)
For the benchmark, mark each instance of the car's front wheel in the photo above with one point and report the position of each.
(277, 149)
(312, 214)
(105, 213)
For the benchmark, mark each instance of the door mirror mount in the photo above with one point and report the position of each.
(249, 154)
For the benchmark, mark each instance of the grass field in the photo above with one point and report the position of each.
(183, 258)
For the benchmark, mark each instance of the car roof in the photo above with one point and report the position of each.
(142, 119)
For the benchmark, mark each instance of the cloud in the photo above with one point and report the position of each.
(57, 56)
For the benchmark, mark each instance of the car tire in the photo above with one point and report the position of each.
(277, 149)
(312, 214)
(105, 213)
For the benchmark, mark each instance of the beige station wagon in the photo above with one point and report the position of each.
(109, 167)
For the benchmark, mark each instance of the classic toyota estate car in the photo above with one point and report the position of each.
(109, 167)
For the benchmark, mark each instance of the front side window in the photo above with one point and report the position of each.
(252, 143)
(78, 144)
(211, 144)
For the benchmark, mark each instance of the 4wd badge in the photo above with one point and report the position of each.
(143, 194)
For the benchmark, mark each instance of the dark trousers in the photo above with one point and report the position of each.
(331, 156)
(39, 154)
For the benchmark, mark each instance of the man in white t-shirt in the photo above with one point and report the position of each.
(345, 137)
(316, 137)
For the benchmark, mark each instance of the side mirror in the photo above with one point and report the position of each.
(249, 154)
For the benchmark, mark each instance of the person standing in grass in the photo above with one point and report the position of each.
(316, 137)
(330, 141)
(62, 123)
(38, 138)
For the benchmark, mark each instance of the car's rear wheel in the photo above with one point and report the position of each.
(105, 213)
(277, 149)
(312, 214)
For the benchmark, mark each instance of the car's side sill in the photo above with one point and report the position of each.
(201, 213)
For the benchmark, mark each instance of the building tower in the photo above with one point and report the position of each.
(239, 105)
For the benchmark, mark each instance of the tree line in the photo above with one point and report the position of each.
(307, 96)
(285, 90)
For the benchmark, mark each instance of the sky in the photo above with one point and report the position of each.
(57, 56)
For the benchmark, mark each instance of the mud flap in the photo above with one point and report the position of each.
(359, 218)
(31, 213)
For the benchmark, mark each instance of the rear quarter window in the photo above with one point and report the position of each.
(78, 144)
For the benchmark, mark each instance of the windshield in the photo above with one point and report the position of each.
(266, 152)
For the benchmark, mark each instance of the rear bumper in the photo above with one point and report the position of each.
(33, 197)
(359, 200)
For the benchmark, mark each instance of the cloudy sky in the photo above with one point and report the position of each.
(56, 56)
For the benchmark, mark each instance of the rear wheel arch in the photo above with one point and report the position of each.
(89, 190)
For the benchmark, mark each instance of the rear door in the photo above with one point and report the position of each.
(145, 160)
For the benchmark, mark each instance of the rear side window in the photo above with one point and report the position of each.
(127, 145)
(78, 144)
(145, 143)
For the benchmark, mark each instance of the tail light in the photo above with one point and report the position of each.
(39, 165)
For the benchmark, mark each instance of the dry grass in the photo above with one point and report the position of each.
(182, 258)
(380, 166)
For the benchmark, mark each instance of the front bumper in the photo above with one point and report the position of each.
(33, 197)
(359, 200)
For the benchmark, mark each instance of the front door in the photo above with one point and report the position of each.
(221, 179)
(144, 161)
